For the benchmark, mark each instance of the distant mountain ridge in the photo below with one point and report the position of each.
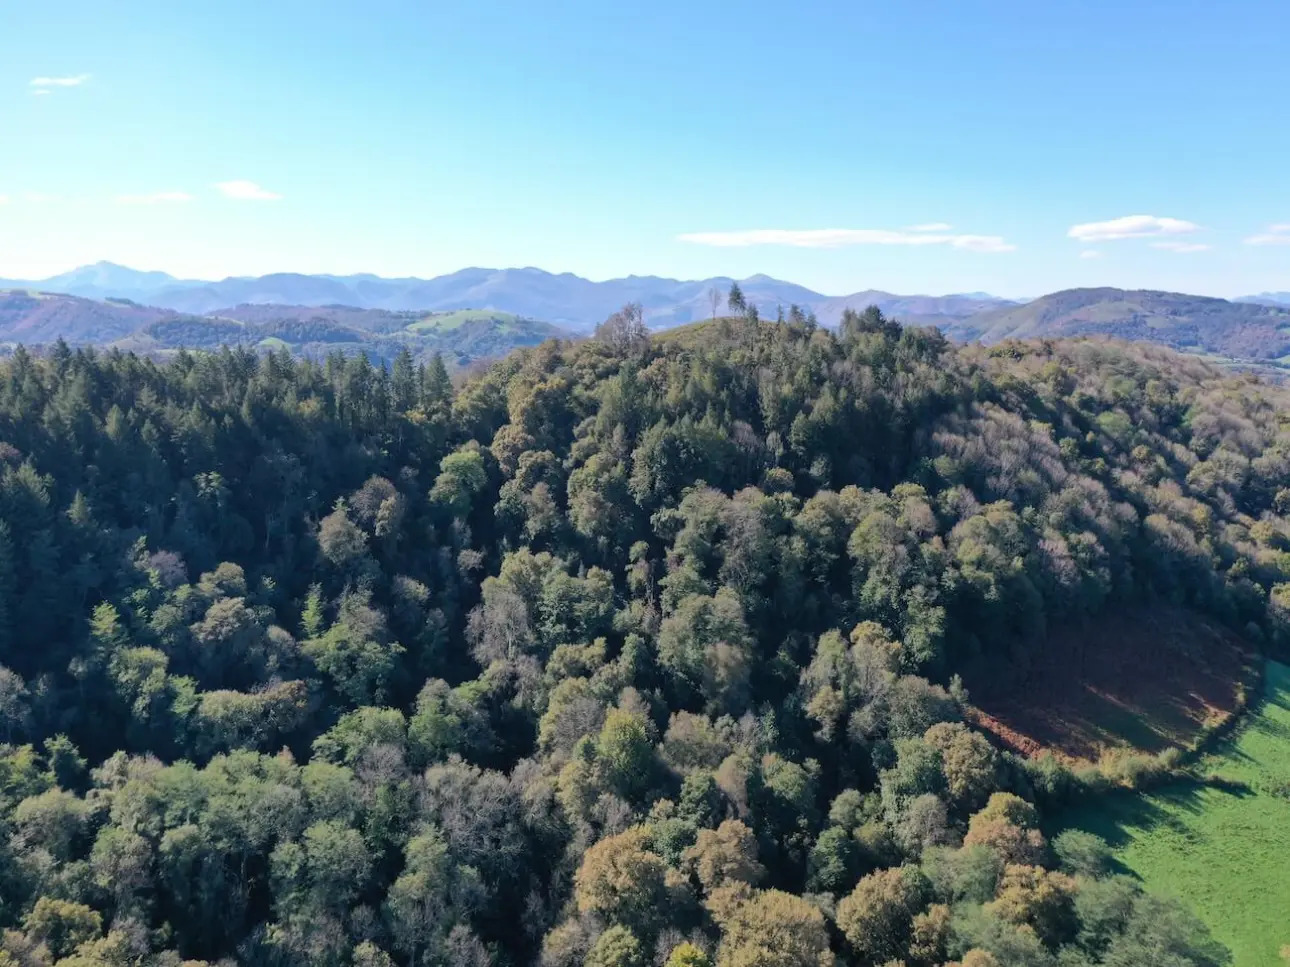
(477, 313)
(462, 337)
(1267, 299)
(562, 299)
(1239, 330)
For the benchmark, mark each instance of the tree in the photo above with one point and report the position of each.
(617, 947)
(625, 330)
(833, 862)
(1007, 826)
(342, 542)
(1038, 898)
(462, 477)
(714, 299)
(1081, 853)
(687, 955)
(624, 749)
(877, 916)
(768, 928)
(422, 904)
(725, 855)
(62, 926)
(969, 763)
(14, 707)
(735, 301)
(621, 880)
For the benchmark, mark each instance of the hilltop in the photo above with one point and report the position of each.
(671, 642)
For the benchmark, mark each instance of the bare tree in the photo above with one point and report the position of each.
(625, 329)
(714, 299)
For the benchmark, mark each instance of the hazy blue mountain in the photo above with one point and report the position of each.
(562, 299)
(1267, 299)
(282, 288)
(1190, 322)
(102, 280)
(943, 311)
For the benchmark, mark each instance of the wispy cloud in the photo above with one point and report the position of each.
(931, 227)
(38, 197)
(246, 191)
(45, 83)
(1090, 253)
(1275, 235)
(1181, 246)
(40, 92)
(841, 237)
(4, 199)
(156, 198)
(1131, 226)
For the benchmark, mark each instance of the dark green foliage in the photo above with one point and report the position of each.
(610, 656)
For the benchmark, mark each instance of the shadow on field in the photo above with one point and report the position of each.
(1119, 816)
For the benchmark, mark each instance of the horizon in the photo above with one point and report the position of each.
(1078, 148)
(1021, 299)
(107, 263)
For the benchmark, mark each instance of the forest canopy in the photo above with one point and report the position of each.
(639, 650)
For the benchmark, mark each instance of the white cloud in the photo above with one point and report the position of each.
(1181, 246)
(1130, 226)
(47, 82)
(1275, 235)
(156, 198)
(1090, 254)
(931, 227)
(840, 237)
(246, 191)
(40, 92)
(38, 197)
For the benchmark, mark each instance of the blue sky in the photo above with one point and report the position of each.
(828, 143)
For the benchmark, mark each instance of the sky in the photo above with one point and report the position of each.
(908, 145)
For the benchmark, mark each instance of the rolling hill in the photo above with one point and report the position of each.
(39, 317)
(1188, 322)
(463, 336)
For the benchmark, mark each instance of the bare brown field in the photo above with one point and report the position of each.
(1146, 679)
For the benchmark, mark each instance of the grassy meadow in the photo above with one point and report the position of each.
(1222, 846)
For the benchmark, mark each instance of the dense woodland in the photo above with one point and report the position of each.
(640, 650)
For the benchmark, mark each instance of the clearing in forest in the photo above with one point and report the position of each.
(1221, 845)
(1146, 679)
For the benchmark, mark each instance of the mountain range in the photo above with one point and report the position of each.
(1192, 323)
(477, 313)
(461, 337)
(564, 300)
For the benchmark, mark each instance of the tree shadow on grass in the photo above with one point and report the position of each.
(1120, 817)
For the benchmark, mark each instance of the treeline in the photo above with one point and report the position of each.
(635, 651)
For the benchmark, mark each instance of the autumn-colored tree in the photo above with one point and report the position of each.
(725, 855)
(877, 916)
(768, 928)
(623, 881)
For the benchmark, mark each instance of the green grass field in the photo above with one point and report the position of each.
(447, 321)
(1224, 850)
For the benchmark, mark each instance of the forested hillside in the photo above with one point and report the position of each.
(632, 651)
